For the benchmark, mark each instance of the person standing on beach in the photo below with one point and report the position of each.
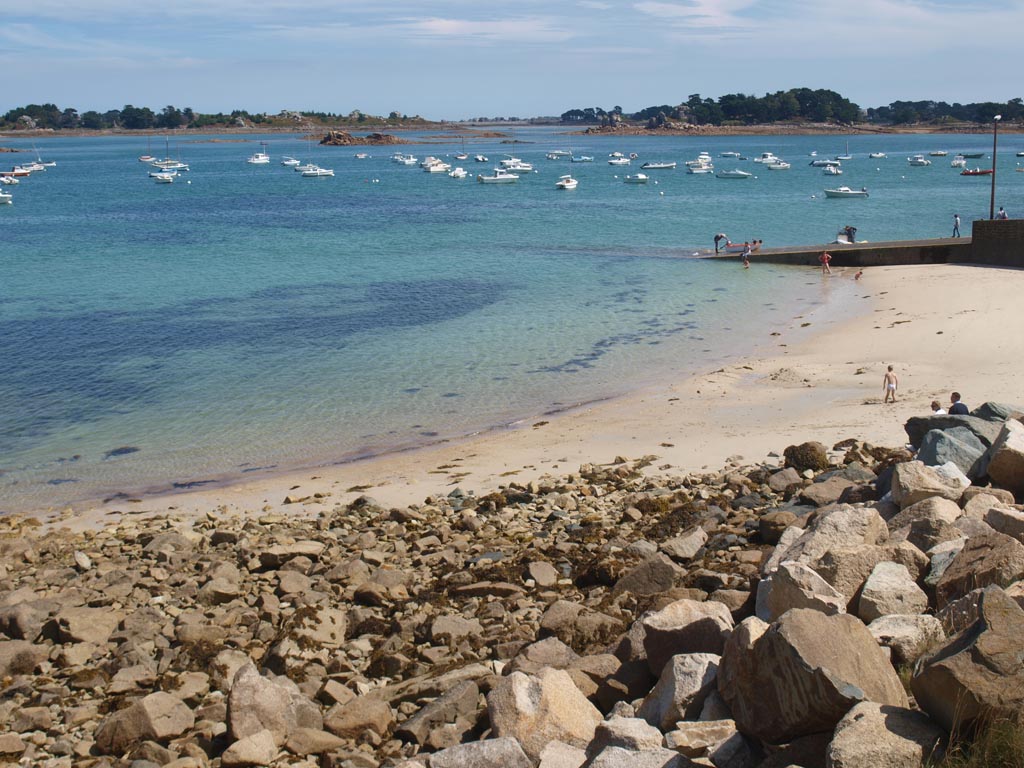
(957, 408)
(719, 238)
(956, 225)
(825, 259)
(890, 383)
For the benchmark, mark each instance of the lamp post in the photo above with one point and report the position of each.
(995, 136)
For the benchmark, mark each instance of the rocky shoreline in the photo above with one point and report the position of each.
(834, 607)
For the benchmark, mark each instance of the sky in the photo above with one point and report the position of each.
(458, 59)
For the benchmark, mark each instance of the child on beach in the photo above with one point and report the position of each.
(859, 275)
(889, 383)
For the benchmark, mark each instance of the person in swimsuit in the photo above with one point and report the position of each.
(889, 383)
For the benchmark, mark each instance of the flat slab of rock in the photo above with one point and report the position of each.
(912, 482)
(157, 717)
(802, 674)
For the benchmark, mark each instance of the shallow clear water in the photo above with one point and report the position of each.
(247, 319)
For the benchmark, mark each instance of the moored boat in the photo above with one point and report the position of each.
(782, 165)
(973, 155)
(918, 160)
(846, 192)
(290, 162)
(619, 161)
(566, 182)
(317, 171)
(498, 176)
(6, 198)
(938, 153)
(636, 178)
(261, 157)
(458, 173)
(958, 162)
(876, 155)
(658, 166)
(735, 173)
(976, 172)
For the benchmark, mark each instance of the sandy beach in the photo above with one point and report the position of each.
(942, 327)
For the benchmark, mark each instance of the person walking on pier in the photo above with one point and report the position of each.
(956, 225)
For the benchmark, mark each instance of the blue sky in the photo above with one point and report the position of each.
(452, 59)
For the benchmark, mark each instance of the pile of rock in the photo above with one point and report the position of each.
(346, 139)
(616, 617)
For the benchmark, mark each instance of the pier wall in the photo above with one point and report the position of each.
(992, 243)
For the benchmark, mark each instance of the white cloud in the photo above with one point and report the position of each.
(512, 31)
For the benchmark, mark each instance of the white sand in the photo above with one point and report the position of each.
(942, 327)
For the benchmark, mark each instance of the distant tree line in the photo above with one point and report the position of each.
(129, 117)
(796, 104)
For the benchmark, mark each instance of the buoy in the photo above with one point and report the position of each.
(662, 194)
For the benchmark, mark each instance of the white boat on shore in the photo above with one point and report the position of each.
(498, 176)
(566, 182)
(636, 178)
(846, 192)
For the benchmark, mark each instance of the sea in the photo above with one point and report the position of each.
(246, 320)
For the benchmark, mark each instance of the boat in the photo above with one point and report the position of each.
(407, 160)
(958, 162)
(15, 172)
(832, 170)
(169, 165)
(146, 158)
(824, 163)
(261, 157)
(581, 159)
(559, 154)
(162, 174)
(616, 154)
(458, 173)
(973, 155)
(658, 166)
(518, 167)
(6, 198)
(619, 161)
(636, 178)
(480, 159)
(702, 159)
(428, 161)
(938, 153)
(734, 174)
(877, 155)
(8, 180)
(438, 167)
(306, 167)
(846, 155)
(766, 157)
(976, 172)
(735, 155)
(462, 155)
(362, 156)
(498, 176)
(846, 192)
(566, 182)
(31, 167)
(164, 178)
(782, 165)
(1020, 154)
(317, 171)
(708, 168)
(289, 162)
(919, 160)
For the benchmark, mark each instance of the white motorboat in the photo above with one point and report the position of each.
(498, 176)
(958, 162)
(938, 153)
(877, 155)
(146, 158)
(6, 198)
(428, 161)
(518, 167)
(305, 167)
(559, 154)
(918, 160)
(566, 182)
(736, 173)
(734, 155)
(458, 173)
(261, 157)
(706, 168)
(658, 166)
(636, 178)
(846, 192)
(702, 159)
(616, 154)
(438, 167)
(162, 174)
(362, 156)
(782, 165)
(1020, 154)
(9, 180)
(317, 171)
(766, 157)
(824, 163)
(581, 159)
(164, 178)
(480, 159)
(170, 165)
(619, 161)
(289, 162)
(832, 170)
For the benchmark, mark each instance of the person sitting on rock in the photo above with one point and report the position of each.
(957, 408)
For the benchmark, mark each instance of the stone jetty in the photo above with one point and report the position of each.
(837, 607)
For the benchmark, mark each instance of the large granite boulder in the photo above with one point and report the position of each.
(684, 626)
(988, 559)
(912, 482)
(873, 735)
(934, 508)
(503, 751)
(539, 709)
(680, 692)
(958, 445)
(794, 585)
(907, 636)
(157, 717)
(841, 526)
(977, 675)
(1007, 521)
(918, 426)
(888, 590)
(617, 757)
(1006, 458)
(847, 569)
(256, 703)
(802, 674)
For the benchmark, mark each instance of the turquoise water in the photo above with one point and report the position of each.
(245, 319)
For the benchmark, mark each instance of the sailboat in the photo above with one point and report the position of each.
(39, 160)
(462, 155)
(846, 156)
(169, 163)
(148, 157)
